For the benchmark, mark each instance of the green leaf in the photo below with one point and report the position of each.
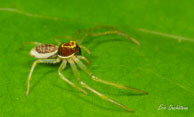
(163, 65)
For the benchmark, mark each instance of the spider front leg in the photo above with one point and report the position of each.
(90, 32)
(59, 37)
(86, 49)
(110, 33)
(93, 77)
(77, 75)
(83, 58)
(62, 66)
(34, 65)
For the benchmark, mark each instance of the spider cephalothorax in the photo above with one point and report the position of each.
(70, 52)
(68, 49)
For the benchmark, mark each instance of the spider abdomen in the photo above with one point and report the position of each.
(68, 49)
(46, 48)
(44, 51)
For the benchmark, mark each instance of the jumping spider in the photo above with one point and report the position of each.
(70, 52)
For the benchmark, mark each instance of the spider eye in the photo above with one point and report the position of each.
(72, 43)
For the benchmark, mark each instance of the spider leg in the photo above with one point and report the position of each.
(92, 29)
(112, 30)
(59, 37)
(77, 75)
(86, 49)
(117, 32)
(83, 58)
(25, 43)
(85, 69)
(62, 66)
(32, 69)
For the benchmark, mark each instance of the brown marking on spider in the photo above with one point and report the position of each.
(70, 52)
(44, 51)
(46, 48)
(68, 49)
